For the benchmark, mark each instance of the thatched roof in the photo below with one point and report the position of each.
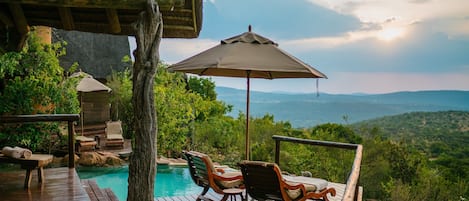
(182, 18)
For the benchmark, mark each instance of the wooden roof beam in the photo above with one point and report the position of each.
(66, 18)
(6, 19)
(20, 22)
(124, 4)
(113, 18)
(19, 18)
(194, 17)
(179, 27)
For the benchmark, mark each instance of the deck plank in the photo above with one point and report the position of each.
(59, 184)
(340, 190)
(110, 194)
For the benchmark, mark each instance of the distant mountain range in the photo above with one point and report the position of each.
(306, 110)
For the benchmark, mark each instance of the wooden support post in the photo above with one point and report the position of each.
(66, 18)
(277, 152)
(20, 22)
(113, 19)
(71, 145)
(142, 166)
(6, 19)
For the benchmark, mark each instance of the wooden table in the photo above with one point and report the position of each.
(233, 192)
(36, 161)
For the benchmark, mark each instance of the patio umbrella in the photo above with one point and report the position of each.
(87, 84)
(247, 55)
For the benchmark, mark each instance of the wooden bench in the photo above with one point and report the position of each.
(36, 161)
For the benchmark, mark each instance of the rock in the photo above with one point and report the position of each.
(162, 161)
(65, 159)
(100, 159)
(125, 155)
(91, 159)
(57, 162)
(114, 161)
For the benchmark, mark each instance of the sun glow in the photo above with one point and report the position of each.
(391, 33)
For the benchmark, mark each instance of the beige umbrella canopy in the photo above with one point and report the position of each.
(247, 55)
(89, 84)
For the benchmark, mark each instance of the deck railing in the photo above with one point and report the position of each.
(351, 188)
(70, 118)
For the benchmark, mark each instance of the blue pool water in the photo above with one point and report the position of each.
(170, 181)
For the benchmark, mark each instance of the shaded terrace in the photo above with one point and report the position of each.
(182, 19)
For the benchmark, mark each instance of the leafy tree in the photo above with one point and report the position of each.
(202, 86)
(336, 132)
(178, 107)
(31, 82)
(221, 137)
(404, 162)
(121, 100)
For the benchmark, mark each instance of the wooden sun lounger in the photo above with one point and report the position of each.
(37, 161)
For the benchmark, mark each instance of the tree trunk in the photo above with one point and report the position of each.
(142, 167)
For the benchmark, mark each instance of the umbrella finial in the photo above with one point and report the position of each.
(249, 28)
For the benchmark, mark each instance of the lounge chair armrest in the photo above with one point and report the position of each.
(294, 186)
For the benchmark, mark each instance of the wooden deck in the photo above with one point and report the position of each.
(340, 189)
(58, 184)
(64, 184)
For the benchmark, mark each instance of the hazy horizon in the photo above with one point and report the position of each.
(323, 92)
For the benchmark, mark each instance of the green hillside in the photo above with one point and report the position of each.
(443, 137)
(423, 128)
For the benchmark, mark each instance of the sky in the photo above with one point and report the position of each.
(363, 46)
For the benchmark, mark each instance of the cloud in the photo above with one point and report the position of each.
(175, 50)
(419, 1)
(405, 12)
(306, 44)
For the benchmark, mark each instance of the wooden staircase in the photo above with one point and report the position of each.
(91, 130)
(96, 193)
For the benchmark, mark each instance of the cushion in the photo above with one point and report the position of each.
(84, 139)
(293, 194)
(310, 184)
(114, 127)
(114, 137)
(230, 184)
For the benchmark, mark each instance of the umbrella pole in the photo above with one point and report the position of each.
(247, 114)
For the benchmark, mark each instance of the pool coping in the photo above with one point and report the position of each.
(171, 162)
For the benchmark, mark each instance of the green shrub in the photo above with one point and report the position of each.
(33, 82)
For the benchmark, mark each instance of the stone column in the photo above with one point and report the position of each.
(44, 33)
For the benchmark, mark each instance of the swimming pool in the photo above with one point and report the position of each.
(170, 181)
